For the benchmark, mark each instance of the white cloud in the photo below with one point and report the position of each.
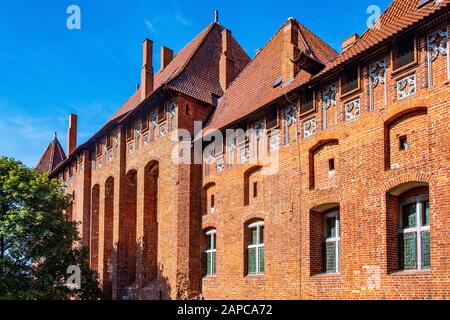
(150, 26)
(182, 20)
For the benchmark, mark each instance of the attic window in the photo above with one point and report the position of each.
(404, 52)
(350, 80)
(423, 3)
(278, 81)
(307, 102)
(214, 100)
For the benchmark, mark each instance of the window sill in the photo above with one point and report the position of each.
(324, 275)
(346, 95)
(254, 276)
(397, 72)
(410, 272)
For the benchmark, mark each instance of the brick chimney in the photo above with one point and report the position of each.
(226, 66)
(72, 134)
(347, 43)
(291, 52)
(147, 70)
(166, 56)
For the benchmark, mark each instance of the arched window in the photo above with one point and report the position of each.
(414, 233)
(210, 253)
(255, 248)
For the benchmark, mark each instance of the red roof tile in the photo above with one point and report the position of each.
(254, 86)
(52, 157)
(253, 89)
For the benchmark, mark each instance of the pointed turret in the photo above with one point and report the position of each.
(52, 157)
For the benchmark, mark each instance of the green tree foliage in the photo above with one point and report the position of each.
(37, 240)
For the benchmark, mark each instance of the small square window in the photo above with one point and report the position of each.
(403, 142)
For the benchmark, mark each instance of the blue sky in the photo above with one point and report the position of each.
(48, 71)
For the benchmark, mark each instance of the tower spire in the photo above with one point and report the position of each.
(216, 16)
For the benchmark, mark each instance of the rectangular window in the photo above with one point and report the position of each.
(414, 237)
(307, 103)
(350, 80)
(255, 250)
(331, 170)
(331, 243)
(404, 52)
(403, 143)
(210, 253)
(212, 202)
(255, 189)
(137, 134)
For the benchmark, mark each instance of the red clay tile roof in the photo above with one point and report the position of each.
(52, 157)
(194, 71)
(399, 16)
(253, 89)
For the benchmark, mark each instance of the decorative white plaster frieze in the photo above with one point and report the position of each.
(406, 87)
(309, 128)
(352, 109)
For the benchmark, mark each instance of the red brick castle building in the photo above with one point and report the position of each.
(333, 183)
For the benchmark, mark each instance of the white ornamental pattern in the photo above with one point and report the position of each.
(220, 164)
(437, 43)
(259, 128)
(290, 115)
(377, 73)
(309, 128)
(352, 110)
(329, 96)
(274, 141)
(406, 87)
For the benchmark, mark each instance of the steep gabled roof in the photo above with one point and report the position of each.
(254, 87)
(194, 71)
(52, 157)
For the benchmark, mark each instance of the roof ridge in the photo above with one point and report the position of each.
(177, 72)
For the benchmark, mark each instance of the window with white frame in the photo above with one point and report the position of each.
(331, 242)
(210, 253)
(414, 235)
(255, 249)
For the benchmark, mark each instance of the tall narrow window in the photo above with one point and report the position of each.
(210, 253)
(415, 234)
(255, 254)
(331, 169)
(255, 189)
(212, 204)
(331, 242)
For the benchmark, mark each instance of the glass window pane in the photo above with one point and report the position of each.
(408, 253)
(213, 241)
(261, 235)
(425, 235)
(208, 242)
(426, 213)
(331, 227)
(330, 257)
(252, 261)
(254, 236)
(261, 260)
(213, 263)
(409, 216)
(208, 264)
